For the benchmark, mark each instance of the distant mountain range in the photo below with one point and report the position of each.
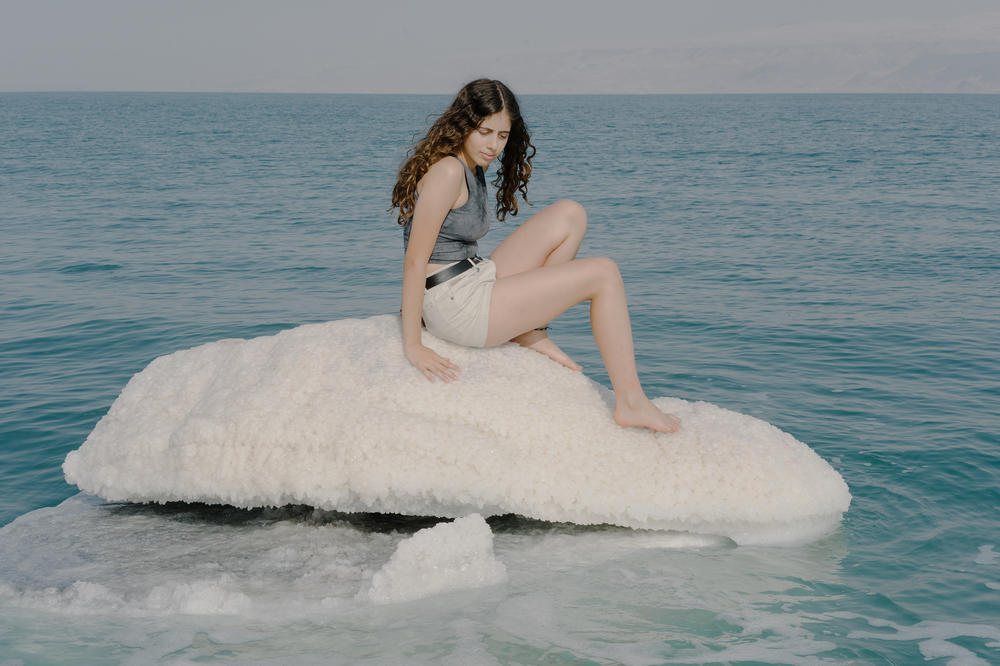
(956, 55)
(796, 68)
(897, 55)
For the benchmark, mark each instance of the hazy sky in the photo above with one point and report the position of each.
(430, 45)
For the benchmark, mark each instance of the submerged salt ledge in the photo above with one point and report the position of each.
(332, 415)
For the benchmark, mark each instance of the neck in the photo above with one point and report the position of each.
(464, 159)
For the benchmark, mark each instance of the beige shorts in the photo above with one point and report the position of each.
(459, 310)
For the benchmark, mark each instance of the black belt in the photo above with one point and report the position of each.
(455, 269)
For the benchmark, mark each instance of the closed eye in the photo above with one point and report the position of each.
(485, 131)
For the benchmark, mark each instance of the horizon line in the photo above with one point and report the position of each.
(520, 94)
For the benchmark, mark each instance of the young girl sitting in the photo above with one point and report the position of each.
(532, 277)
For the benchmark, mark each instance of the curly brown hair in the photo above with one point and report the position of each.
(475, 101)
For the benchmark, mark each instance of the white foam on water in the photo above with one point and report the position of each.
(987, 555)
(200, 597)
(934, 638)
(444, 558)
(332, 416)
(937, 648)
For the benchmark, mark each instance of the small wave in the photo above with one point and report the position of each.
(89, 268)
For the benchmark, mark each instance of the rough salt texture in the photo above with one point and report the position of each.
(444, 558)
(332, 415)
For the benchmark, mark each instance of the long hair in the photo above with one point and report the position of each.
(475, 101)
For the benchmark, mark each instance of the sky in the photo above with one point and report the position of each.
(539, 46)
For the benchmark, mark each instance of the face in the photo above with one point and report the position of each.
(488, 140)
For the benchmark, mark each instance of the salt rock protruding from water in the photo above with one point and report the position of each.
(444, 558)
(333, 416)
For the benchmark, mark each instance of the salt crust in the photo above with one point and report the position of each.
(333, 416)
(447, 557)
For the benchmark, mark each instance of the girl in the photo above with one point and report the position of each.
(532, 277)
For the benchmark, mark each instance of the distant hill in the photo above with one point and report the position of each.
(821, 68)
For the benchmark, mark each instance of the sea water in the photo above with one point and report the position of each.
(828, 264)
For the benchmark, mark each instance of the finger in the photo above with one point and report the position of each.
(446, 374)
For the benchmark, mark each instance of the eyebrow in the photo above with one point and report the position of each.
(487, 127)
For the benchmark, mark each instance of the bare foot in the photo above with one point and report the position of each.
(540, 342)
(644, 414)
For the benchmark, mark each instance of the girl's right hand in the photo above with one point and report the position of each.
(431, 364)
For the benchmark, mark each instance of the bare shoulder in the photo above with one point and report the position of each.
(447, 173)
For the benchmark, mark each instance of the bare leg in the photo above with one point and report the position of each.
(539, 341)
(550, 238)
(531, 298)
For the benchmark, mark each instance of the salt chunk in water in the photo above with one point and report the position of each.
(444, 558)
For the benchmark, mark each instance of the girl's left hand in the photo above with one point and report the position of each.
(431, 364)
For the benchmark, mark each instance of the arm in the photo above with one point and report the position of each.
(441, 187)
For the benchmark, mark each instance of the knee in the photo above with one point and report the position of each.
(605, 270)
(574, 215)
(608, 267)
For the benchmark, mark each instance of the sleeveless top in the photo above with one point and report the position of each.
(463, 226)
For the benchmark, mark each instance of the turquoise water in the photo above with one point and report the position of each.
(825, 263)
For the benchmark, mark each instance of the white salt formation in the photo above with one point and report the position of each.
(446, 557)
(333, 416)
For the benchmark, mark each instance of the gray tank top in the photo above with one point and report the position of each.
(463, 226)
